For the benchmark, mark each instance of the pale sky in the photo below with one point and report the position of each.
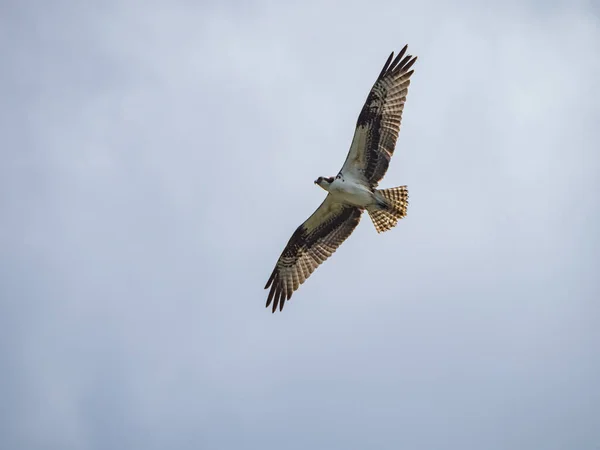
(156, 158)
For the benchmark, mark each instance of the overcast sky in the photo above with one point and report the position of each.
(157, 156)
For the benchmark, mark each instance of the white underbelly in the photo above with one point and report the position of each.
(351, 193)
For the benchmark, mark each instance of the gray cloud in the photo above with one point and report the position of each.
(157, 158)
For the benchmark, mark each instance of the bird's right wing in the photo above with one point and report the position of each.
(311, 244)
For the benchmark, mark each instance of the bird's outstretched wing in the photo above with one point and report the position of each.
(378, 124)
(311, 244)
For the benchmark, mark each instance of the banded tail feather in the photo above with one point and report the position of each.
(394, 203)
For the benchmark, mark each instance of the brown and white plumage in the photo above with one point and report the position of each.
(378, 124)
(311, 244)
(354, 188)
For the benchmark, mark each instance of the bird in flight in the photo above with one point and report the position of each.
(354, 189)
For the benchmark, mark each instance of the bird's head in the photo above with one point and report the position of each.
(324, 182)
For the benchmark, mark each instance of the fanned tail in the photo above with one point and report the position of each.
(392, 208)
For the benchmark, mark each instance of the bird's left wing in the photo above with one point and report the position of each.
(311, 244)
(378, 124)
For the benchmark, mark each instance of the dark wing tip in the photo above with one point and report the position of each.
(271, 278)
(410, 63)
(399, 63)
(279, 298)
(386, 65)
(270, 296)
(277, 295)
(399, 57)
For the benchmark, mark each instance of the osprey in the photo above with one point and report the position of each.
(354, 189)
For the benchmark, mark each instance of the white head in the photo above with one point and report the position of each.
(324, 182)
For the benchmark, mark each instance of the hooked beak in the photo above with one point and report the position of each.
(316, 181)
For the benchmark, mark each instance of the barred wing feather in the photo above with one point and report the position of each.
(311, 244)
(378, 124)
